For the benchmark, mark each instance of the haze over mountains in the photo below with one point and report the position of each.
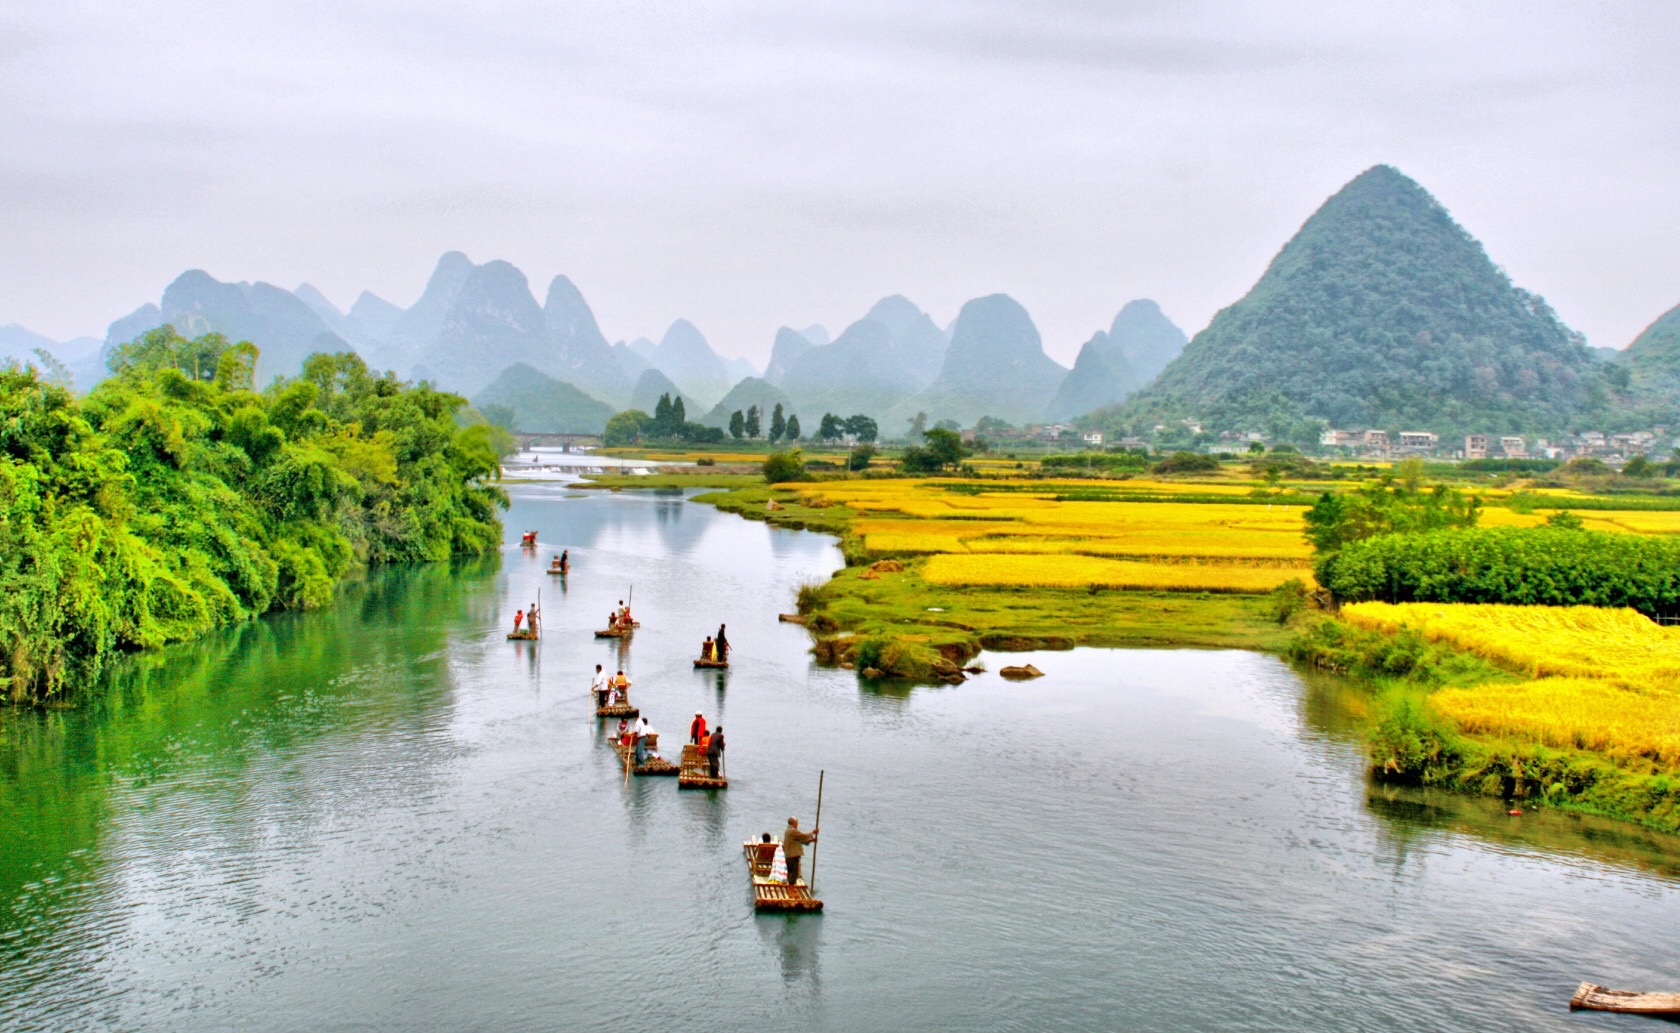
(1380, 312)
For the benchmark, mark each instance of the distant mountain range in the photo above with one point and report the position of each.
(1381, 312)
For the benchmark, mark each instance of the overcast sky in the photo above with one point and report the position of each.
(749, 165)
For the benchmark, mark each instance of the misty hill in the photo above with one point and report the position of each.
(543, 405)
(892, 352)
(651, 384)
(749, 392)
(284, 328)
(994, 366)
(1100, 376)
(685, 357)
(632, 362)
(1146, 339)
(1112, 364)
(790, 345)
(492, 323)
(585, 358)
(1380, 312)
(1651, 384)
(857, 372)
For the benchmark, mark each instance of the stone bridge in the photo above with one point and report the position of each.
(568, 442)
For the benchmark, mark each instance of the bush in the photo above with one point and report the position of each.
(1530, 566)
(785, 466)
(1187, 462)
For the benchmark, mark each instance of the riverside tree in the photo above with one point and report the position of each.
(752, 425)
(778, 424)
(737, 425)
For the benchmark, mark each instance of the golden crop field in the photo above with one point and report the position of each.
(1067, 571)
(1573, 713)
(1577, 641)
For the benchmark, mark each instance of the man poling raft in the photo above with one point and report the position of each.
(702, 757)
(710, 656)
(773, 867)
(561, 564)
(529, 632)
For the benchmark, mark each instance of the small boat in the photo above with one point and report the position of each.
(617, 631)
(696, 773)
(620, 709)
(711, 663)
(523, 635)
(652, 766)
(562, 571)
(1593, 997)
(774, 896)
(528, 539)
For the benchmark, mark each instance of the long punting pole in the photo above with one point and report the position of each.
(810, 884)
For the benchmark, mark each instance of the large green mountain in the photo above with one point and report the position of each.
(1381, 312)
(749, 392)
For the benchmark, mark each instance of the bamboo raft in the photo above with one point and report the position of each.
(774, 896)
(651, 766)
(1593, 997)
(562, 571)
(526, 635)
(618, 632)
(696, 773)
(711, 663)
(620, 709)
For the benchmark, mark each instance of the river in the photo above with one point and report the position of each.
(387, 816)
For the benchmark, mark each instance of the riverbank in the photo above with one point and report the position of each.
(1428, 722)
(884, 617)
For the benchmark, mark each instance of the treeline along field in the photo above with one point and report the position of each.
(176, 498)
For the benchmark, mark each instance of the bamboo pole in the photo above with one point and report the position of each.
(816, 826)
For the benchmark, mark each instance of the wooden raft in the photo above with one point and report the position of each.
(696, 773)
(652, 766)
(617, 632)
(623, 709)
(562, 571)
(525, 635)
(711, 663)
(774, 896)
(1593, 997)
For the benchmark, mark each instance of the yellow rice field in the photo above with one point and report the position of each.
(1066, 571)
(1604, 680)
(1572, 713)
(1568, 641)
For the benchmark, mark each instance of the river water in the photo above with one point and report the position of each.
(387, 816)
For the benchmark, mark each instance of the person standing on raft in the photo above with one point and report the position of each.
(793, 845)
(714, 752)
(720, 646)
(531, 618)
(697, 728)
(518, 619)
(598, 685)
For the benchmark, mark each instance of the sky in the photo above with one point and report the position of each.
(749, 165)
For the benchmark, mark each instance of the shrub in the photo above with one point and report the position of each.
(785, 466)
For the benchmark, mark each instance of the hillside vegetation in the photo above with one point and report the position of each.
(1381, 312)
(175, 498)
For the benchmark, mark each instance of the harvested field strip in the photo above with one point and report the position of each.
(1065, 571)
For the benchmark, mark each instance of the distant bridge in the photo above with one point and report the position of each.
(569, 442)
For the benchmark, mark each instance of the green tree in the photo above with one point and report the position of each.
(1338, 518)
(737, 425)
(859, 457)
(626, 428)
(752, 421)
(918, 424)
(785, 466)
(778, 424)
(832, 427)
(792, 433)
(861, 428)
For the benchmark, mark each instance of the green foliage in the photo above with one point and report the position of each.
(1384, 508)
(737, 424)
(1566, 520)
(626, 428)
(792, 432)
(859, 457)
(1187, 462)
(832, 427)
(784, 466)
(944, 449)
(174, 499)
(862, 428)
(753, 421)
(1542, 566)
(778, 424)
